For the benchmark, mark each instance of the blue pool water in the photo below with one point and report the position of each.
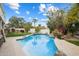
(38, 45)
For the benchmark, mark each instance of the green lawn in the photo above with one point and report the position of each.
(73, 42)
(14, 34)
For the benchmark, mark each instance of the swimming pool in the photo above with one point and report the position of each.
(38, 45)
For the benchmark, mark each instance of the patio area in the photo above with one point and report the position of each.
(11, 47)
(68, 48)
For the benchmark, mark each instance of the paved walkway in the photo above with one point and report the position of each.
(67, 48)
(11, 47)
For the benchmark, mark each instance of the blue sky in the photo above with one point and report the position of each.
(32, 10)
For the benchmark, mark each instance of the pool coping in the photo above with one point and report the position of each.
(33, 34)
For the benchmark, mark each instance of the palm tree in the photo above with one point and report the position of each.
(34, 21)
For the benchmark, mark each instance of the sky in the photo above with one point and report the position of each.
(31, 11)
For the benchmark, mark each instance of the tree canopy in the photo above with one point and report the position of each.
(69, 20)
(55, 20)
(72, 18)
(16, 22)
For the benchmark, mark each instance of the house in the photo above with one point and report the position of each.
(32, 30)
(43, 30)
(2, 23)
(17, 30)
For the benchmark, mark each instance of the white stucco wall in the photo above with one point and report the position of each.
(32, 30)
(45, 31)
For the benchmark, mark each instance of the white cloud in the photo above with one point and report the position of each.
(42, 7)
(49, 5)
(44, 14)
(43, 20)
(14, 6)
(17, 12)
(27, 12)
(52, 8)
(36, 18)
(30, 18)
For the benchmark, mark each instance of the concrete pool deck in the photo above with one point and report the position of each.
(67, 48)
(12, 48)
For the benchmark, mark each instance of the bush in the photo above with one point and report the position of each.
(37, 29)
(57, 34)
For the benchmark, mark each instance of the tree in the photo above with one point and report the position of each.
(27, 26)
(55, 20)
(34, 21)
(16, 22)
(39, 25)
(37, 29)
(72, 18)
(51, 22)
(51, 25)
(21, 22)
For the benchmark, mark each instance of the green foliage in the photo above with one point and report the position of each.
(19, 22)
(65, 19)
(55, 19)
(34, 21)
(37, 29)
(71, 18)
(51, 25)
(14, 34)
(16, 22)
(56, 33)
(27, 26)
(73, 42)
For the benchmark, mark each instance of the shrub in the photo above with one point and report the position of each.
(57, 34)
(37, 29)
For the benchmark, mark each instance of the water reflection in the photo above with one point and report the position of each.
(51, 46)
(40, 45)
(35, 41)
